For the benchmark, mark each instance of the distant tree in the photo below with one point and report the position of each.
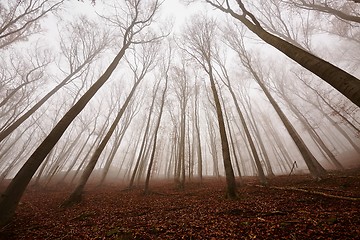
(283, 92)
(181, 84)
(119, 134)
(224, 76)
(145, 140)
(197, 131)
(21, 74)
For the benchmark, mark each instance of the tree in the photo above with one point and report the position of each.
(119, 135)
(140, 17)
(145, 139)
(197, 130)
(200, 45)
(344, 82)
(283, 92)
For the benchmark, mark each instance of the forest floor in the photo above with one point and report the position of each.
(293, 207)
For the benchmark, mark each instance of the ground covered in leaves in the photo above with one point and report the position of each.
(293, 207)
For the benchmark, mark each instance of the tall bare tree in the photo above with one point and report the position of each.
(200, 44)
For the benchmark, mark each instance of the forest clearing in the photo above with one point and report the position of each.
(292, 207)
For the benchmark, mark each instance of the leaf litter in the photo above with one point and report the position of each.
(293, 207)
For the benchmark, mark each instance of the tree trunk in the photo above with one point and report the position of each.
(312, 132)
(229, 172)
(198, 140)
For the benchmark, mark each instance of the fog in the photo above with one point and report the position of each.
(127, 92)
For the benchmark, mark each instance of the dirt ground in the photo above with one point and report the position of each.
(293, 207)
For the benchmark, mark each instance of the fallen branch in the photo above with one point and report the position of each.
(318, 193)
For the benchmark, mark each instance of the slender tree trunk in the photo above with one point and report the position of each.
(260, 140)
(95, 143)
(212, 146)
(312, 132)
(198, 140)
(314, 167)
(77, 156)
(115, 148)
(181, 154)
(152, 158)
(236, 160)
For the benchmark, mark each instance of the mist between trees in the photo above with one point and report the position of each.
(115, 94)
